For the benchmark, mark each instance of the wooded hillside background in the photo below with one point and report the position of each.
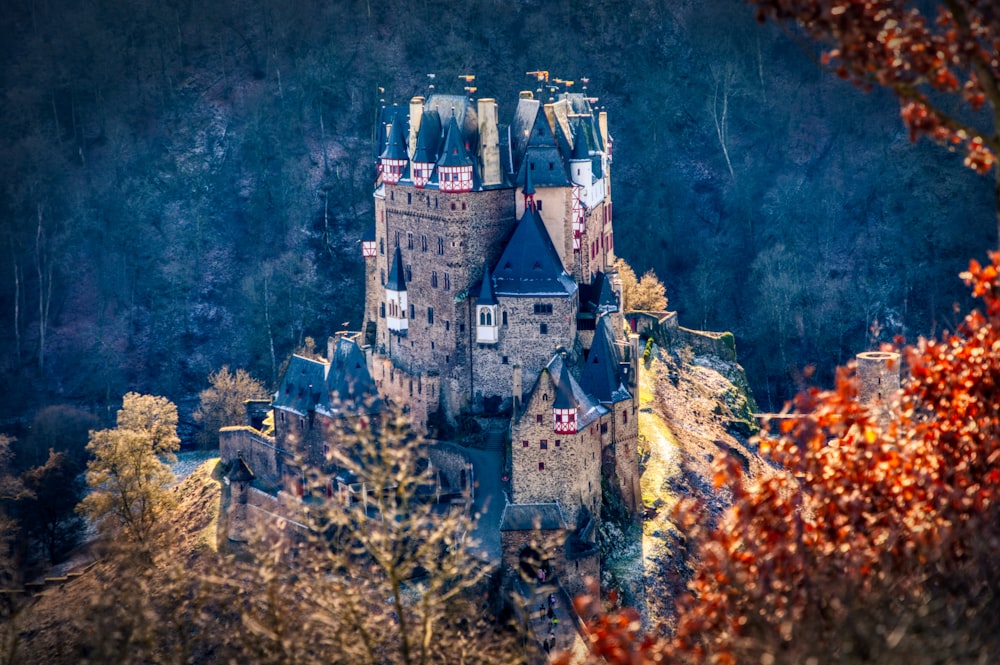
(184, 184)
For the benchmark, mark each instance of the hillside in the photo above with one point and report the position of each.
(185, 184)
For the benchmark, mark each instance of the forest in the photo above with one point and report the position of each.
(184, 184)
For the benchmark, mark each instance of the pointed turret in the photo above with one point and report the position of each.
(395, 296)
(394, 158)
(528, 191)
(564, 407)
(454, 165)
(425, 154)
(530, 265)
(487, 325)
(601, 375)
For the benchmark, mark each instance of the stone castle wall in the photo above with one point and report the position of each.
(260, 452)
(444, 239)
(566, 468)
(419, 392)
(522, 342)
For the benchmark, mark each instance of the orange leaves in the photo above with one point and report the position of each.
(892, 44)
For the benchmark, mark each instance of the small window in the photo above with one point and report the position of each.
(463, 205)
(409, 200)
(524, 443)
(541, 466)
(558, 443)
(430, 318)
(409, 239)
(434, 279)
(423, 241)
(447, 282)
(397, 238)
(381, 245)
(440, 245)
(381, 310)
(411, 312)
(504, 360)
(461, 327)
(539, 206)
(543, 308)
(381, 274)
(447, 325)
(505, 317)
(543, 329)
(604, 428)
(543, 444)
(538, 419)
(624, 416)
(409, 273)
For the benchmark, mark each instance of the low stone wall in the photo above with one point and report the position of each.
(666, 332)
(705, 343)
(454, 465)
(260, 453)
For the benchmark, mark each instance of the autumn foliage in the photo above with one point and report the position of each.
(865, 542)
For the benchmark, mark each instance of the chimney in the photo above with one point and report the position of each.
(602, 123)
(416, 113)
(489, 142)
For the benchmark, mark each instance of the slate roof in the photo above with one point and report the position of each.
(397, 279)
(454, 152)
(530, 265)
(486, 296)
(302, 386)
(315, 385)
(601, 375)
(428, 138)
(396, 146)
(394, 116)
(598, 296)
(348, 375)
(520, 130)
(461, 109)
(531, 516)
(542, 156)
(571, 394)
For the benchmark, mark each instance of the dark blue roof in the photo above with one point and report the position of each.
(541, 155)
(396, 146)
(530, 265)
(598, 296)
(486, 296)
(348, 376)
(454, 152)
(531, 516)
(389, 116)
(571, 394)
(601, 377)
(302, 387)
(428, 138)
(397, 280)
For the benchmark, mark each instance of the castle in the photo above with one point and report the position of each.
(490, 296)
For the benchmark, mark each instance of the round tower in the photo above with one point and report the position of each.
(878, 378)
